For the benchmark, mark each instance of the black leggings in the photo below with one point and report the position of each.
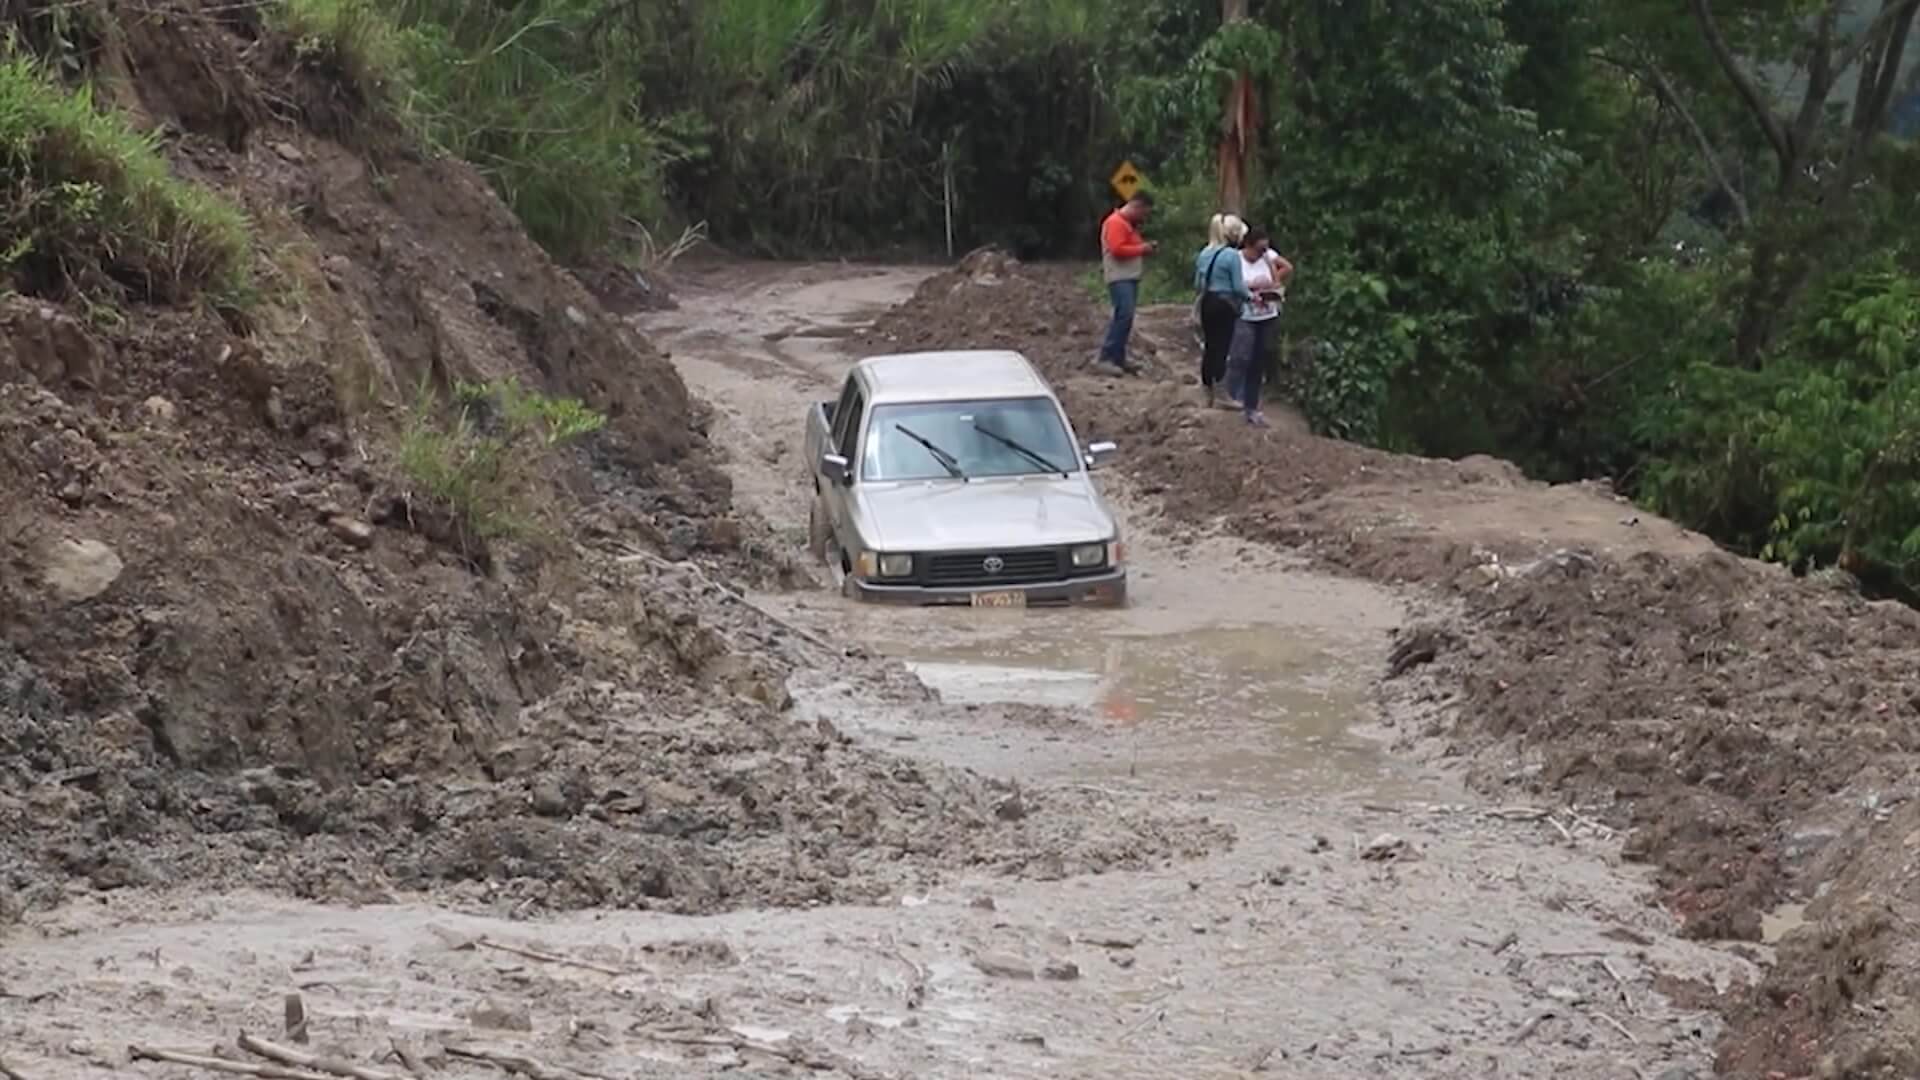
(1218, 314)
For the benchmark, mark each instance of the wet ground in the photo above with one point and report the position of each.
(1240, 681)
(1372, 919)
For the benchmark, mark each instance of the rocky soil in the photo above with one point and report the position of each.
(1753, 735)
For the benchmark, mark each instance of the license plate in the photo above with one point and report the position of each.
(1013, 598)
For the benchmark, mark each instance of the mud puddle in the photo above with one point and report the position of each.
(1250, 709)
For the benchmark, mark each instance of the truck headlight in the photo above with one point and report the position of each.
(1089, 555)
(896, 566)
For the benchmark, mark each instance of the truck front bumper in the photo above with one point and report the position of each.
(1097, 590)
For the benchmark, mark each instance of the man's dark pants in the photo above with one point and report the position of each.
(1125, 296)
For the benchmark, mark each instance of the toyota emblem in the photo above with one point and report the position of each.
(993, 564)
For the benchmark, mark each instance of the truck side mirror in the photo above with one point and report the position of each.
(1099, 453)
(835, 468)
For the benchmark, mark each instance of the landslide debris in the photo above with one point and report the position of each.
(1755, 735)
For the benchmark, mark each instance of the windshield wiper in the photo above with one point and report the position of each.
(947, 461)
(1018, 449)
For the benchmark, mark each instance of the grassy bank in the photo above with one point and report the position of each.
(91, 207)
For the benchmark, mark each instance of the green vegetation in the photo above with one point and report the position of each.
(352, 44)
(89, 205)
(1668, 244)
(477, 467)
(1601, 239)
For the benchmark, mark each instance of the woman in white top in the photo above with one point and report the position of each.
(1266, 273)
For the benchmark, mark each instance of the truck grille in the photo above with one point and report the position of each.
(997, 567)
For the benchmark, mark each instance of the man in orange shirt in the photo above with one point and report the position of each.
(1123, 253)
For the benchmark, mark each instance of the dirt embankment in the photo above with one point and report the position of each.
(236, 649)
(1757, 736)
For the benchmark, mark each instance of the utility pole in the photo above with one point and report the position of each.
(1237, 135)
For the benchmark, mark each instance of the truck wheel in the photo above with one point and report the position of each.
(816, 531)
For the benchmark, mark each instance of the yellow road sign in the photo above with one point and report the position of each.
(1126, 180)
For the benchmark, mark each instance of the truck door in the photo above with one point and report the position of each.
(849, 417)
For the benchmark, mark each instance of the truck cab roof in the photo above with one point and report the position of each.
(949, 375)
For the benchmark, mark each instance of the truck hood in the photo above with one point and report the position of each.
(1011, 512)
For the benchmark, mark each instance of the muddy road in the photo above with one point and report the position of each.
(1240, 682)
(1369, 916)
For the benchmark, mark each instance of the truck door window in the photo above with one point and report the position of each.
(838, 421)
(855, 415)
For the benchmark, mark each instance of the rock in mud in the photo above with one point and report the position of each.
(498, 1017)
(1059, 970)
(160, 409)
(1003, 966)
(79, 570)
(550, 799)
(1384, 848)
(682, 538)
(352, 532)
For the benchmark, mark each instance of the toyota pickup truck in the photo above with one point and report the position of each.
(956, 478)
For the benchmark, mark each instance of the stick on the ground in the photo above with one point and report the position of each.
(1619, 981)
(1518, 813)
(1530, 1026)
(1616, 1025)
(214, 1064)
(529, 1067)
(1597, 827)
(551, 958)
(1555, 822)
(286, 1055)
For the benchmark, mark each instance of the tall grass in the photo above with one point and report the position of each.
(545, 105)
(88, 204)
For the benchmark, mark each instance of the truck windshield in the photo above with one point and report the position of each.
(1009, 437)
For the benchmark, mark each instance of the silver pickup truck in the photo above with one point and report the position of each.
(955, 478)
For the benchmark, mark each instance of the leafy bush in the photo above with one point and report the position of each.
(1813, 460)
(89, 204)
(476, 466)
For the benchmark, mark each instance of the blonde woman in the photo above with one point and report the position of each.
(1220, 288)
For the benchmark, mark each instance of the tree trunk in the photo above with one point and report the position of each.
(1237, 135)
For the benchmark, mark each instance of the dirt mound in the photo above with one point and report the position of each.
(236, 649)
(1749, 732)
